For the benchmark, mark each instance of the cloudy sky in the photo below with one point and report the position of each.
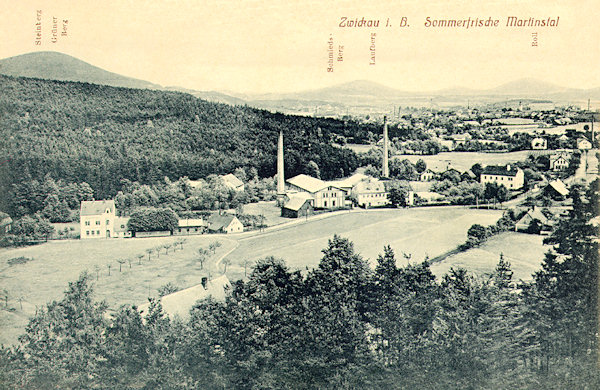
(279, 46)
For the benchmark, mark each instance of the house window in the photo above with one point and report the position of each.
(87, 232)
(325, 204)
(87, 223)
(107, 221)
(97, 222)
(333, 203)
(92, 232)
(98, 232)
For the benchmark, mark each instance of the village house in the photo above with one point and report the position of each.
(460, 139)
(559, 162)
(298, 205)
(427, 175)
(583, 144)
(233, 182)
(539, 143)
(120, 227)
(190, 226)
(557, 190)
(370, 193)
(511, 177)
(224, 224)
(325, 195)
(97, 219)
(535, 213)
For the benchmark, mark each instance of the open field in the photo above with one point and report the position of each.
(465, 160)
(54, 264)
(269, 210)
(525, 253)
(360, 148)
(418, 232)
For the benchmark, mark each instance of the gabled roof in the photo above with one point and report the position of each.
(559, 187)
(295, 203)
(370, 186)
(348, 182)
(192, 222)
(501, 170)
(181, 302)
(218, 222)
(119, 221)
(308, 183)
(96, 207)
(232, 180)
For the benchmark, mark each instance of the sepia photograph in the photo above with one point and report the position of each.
(258, 194)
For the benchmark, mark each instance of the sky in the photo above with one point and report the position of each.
(256, 46)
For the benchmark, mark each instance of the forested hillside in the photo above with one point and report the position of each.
(100, 135)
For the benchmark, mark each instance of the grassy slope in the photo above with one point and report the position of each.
(525, 252)
(56, 263)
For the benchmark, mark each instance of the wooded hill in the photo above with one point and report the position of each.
(81, 132)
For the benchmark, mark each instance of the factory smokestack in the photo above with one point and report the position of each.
(385, 169)
(280, 175)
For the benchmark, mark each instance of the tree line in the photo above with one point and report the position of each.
(99, 135)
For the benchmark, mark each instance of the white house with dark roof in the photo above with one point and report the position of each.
(325, 195)
(225, 224)
(559, 161)
(511, 177)
(97, 219)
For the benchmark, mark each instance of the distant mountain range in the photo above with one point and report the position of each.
(360, 93)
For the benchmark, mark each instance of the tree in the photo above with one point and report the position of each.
(398, 193)
(141, 257)
(312, 169)
(477, 233)
(121, 262)
(152, 219)
(420, 166)
(202, 255)
(149, 251)
(226, 262)
(213, 246)
(65, 338)
(167, 289)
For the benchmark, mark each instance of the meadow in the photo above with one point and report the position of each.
(524, 252)
(465, 160)
(417, 232)
(414, 234)
(50, 266)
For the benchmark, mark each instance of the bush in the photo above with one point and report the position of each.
(149, 219)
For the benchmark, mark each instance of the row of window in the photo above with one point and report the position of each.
(375, 195)
(327, 195)
(94, 232)
(87, 223)
(496, 178)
